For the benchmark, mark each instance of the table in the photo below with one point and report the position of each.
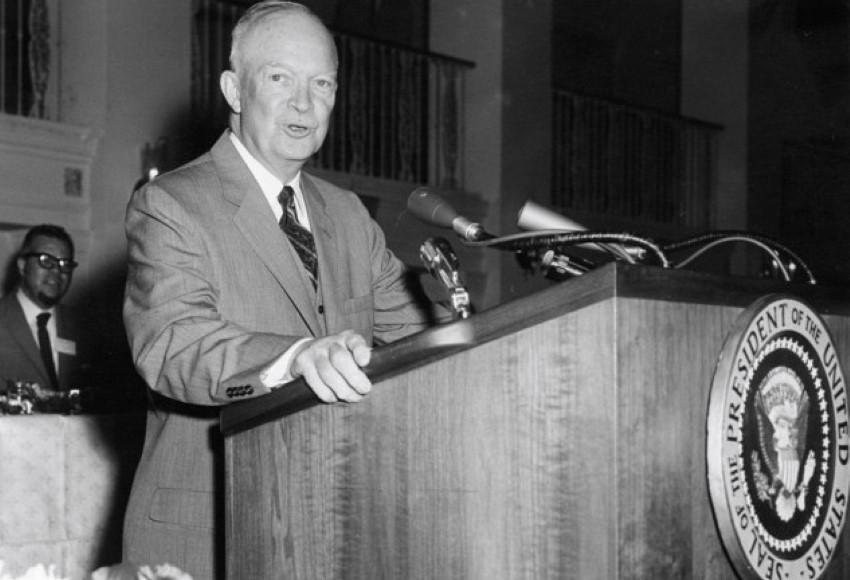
(64, 482)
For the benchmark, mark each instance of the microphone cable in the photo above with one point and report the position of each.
(556, 238)
(713, 239)
(433, 209)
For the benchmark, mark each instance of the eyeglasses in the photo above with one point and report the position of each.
(48, 262)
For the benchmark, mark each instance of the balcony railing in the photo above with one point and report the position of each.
(630, 163)
(26, 49)
(398, 114)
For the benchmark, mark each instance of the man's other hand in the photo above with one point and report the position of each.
(331, 365)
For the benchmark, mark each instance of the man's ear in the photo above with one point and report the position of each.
(21, 262)
(229, 83)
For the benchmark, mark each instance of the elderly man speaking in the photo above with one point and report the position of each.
(245, 272)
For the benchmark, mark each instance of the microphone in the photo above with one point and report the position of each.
(536, 217)
(533, 216)
(433, 209)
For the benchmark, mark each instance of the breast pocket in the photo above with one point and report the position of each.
(354, 305)
(358, 314)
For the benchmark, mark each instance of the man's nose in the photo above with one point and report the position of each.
(300, 100)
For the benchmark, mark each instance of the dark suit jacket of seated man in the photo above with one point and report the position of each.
(20, 359)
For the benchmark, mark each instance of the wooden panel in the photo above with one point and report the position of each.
(565, 440)
(667, 356)
(465, 468)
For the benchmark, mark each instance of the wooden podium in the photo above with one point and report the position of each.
(558, 436)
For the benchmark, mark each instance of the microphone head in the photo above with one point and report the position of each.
(431, 208)
(536, 217)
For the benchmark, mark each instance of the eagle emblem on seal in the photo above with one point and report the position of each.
(782, 415)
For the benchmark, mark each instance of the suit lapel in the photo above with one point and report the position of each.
(255, 221)
(21, 333)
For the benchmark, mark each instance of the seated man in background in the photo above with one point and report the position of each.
(37, 335)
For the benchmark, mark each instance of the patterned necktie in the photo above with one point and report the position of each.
(299, 236)
(46, 349)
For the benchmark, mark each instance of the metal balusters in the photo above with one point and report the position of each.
(615, 159)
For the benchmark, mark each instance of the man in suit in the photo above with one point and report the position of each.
(220, 305)
(38, 336)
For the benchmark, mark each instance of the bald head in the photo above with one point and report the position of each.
(261, 14)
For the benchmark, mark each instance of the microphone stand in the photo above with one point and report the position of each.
(442, 263)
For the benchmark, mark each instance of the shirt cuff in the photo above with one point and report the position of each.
(278, 373)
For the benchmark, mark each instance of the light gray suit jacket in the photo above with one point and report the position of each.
(214, 294)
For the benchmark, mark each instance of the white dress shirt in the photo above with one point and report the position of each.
(272, 186)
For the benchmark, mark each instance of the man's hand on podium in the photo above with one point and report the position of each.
(331, 367)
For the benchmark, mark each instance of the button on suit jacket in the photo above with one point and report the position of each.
(214, 294)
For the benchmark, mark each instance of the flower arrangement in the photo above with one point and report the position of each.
(23, 398)
(35, 573)
(128, 571)
(125, 571)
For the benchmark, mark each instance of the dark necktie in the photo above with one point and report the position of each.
(46, 349)
(299, 236)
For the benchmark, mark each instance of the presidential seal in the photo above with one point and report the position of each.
(778, 442)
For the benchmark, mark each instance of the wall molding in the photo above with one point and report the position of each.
(47, 171)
